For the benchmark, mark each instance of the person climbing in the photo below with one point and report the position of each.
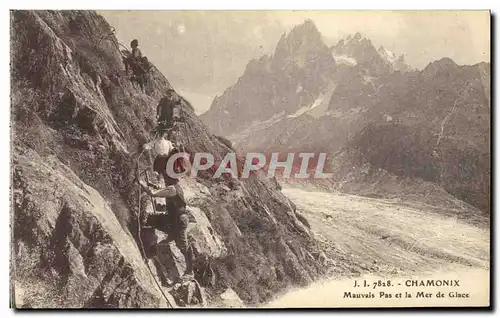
(175, 222)
(138, 64)
(168, 112)
(134, 56)
(136, 51)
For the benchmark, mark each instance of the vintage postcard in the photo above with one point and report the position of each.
(250, 159)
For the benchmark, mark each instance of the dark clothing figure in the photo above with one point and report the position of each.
(168, 111)
(175, 225)
(138, 71)
(134, 58)
(140, 79)
(176, 220)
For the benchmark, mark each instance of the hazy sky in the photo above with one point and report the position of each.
(204, 52)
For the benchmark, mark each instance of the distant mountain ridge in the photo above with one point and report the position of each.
(361, 93)
(302, 74)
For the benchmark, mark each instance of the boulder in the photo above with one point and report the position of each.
(170, 262)
(189, 294)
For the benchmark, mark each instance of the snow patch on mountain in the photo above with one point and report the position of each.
(319, 107)
(301, 111)
(257, 125)
(345, 60)
(299, 88)
(305, 109)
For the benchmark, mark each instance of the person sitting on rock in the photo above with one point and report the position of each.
(175, 221)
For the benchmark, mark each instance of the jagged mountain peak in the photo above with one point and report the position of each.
(357, 49)
(353, 44)
(302, 38)
(350, 37)
(308, 26)
(386, 54)
(354, 38)
(443, 64)
(383, 50)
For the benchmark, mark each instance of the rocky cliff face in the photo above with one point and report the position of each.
(430, 125)
(77, 123)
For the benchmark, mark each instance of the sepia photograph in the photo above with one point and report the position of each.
(187, 159)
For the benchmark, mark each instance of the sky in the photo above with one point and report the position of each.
(202, 53)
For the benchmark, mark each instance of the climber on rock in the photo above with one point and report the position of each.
(135, 56)
(168, 112)
(175, 221)
(137, 63)
(136, 52)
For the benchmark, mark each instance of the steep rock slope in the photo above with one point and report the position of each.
(69, 246)
(77, 125)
